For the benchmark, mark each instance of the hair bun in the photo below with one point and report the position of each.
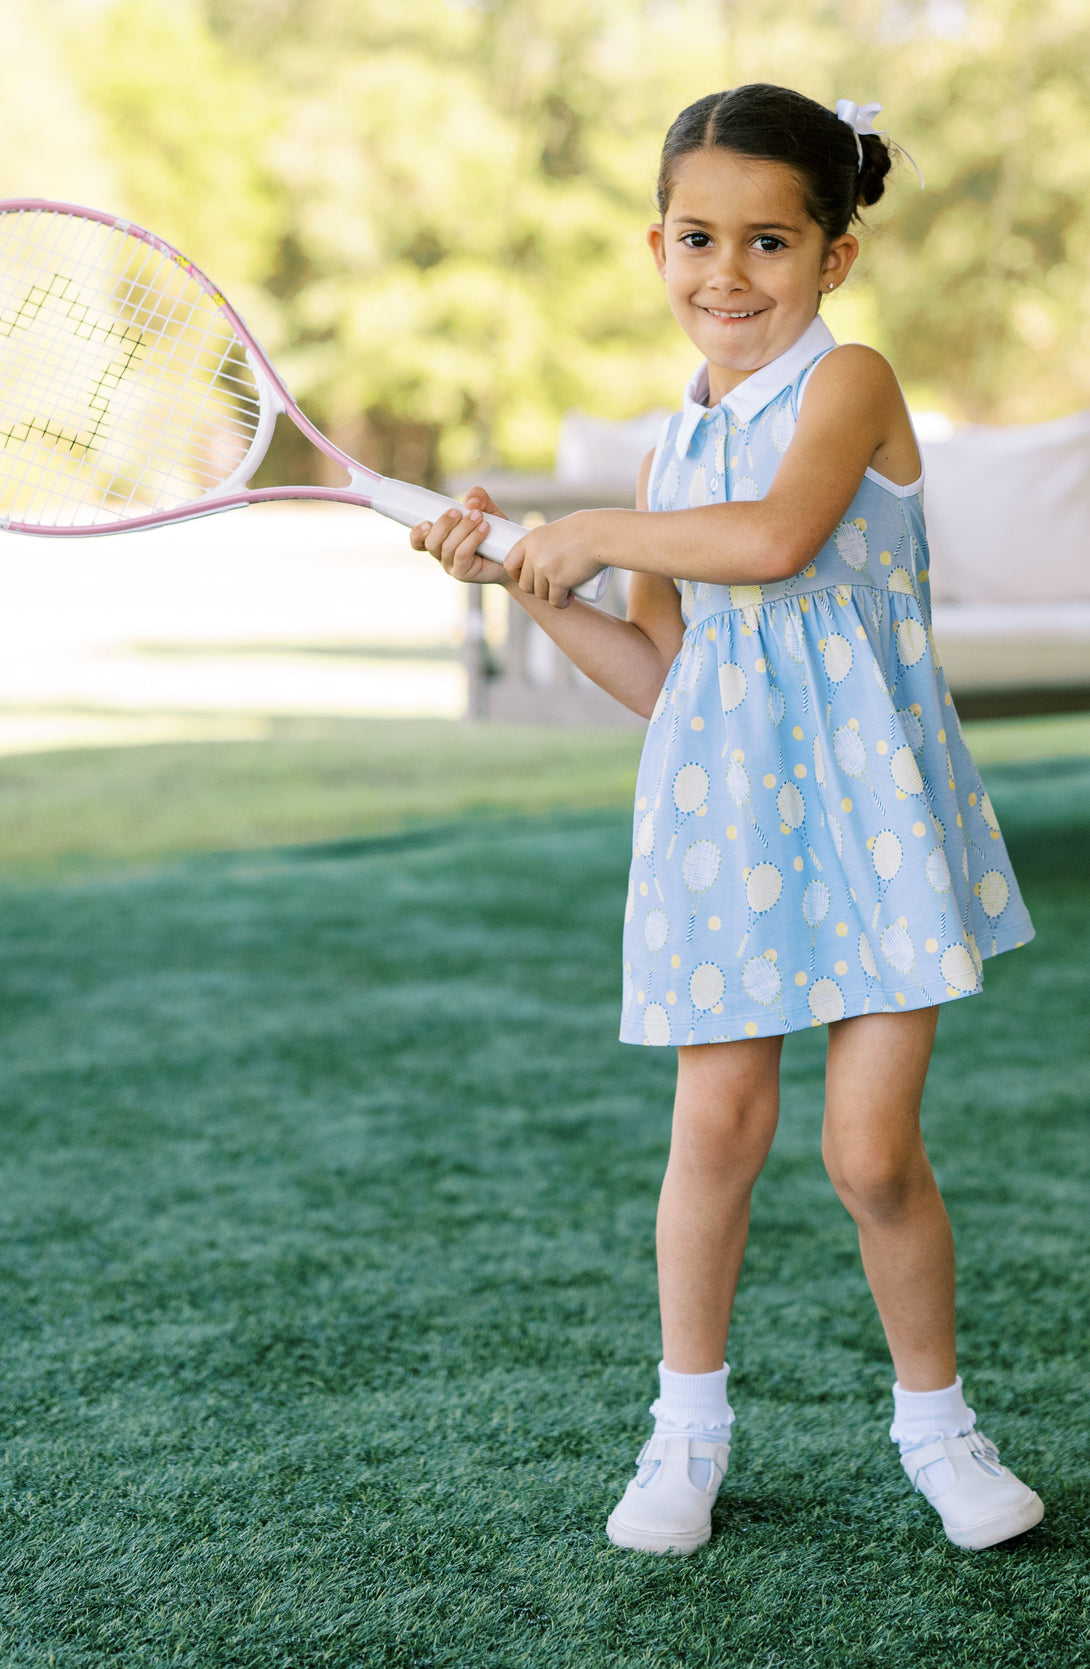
(876, 165)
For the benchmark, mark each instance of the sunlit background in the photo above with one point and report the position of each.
(432, 215)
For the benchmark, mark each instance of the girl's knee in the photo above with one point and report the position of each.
(726, 1108)
(878, 1183)
(728, 1140)
(725, 1075)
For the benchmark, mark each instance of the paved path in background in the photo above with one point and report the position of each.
(211, 628)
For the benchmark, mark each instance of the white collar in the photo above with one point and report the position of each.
(755, 391)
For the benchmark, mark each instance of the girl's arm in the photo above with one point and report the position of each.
(853, 415)
(627, 658)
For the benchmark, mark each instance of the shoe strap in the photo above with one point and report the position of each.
(948, 1448)
(674, 1454)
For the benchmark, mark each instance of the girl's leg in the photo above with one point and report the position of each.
(875, 1156)
(874, 1153)
(725, 1117)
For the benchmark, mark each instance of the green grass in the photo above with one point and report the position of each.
(328, 1281)
(329, 779)
(310, 780)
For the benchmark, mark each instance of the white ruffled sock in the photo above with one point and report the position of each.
(694, 1405)
(921, 1417)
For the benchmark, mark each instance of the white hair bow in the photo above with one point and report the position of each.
(859, 118)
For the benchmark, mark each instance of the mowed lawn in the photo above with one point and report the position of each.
(329, 1319)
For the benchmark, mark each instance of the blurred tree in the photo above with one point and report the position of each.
(468, 187)
(1002, 319)
(434, 212)
(187, 125)
(51, 144)
(979, 287)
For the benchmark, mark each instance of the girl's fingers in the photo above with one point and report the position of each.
(443, 537)
(465, 543)
(536, 582)
(430, 536)
(440, 541)
(454, 541)
(478, 499)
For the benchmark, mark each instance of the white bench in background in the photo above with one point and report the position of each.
(1008, 519)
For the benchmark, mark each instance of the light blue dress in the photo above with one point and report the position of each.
(812, 839)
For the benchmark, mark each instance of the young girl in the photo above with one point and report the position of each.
(813, 845)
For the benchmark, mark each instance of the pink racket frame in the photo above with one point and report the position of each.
(398, 500)
(281, 401)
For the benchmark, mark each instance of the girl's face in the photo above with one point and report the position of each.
(743, 262)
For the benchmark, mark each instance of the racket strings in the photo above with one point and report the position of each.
(129, 297)
(122, 385)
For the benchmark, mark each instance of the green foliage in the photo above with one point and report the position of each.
(435, 212)
(51, 145)
(186, 126)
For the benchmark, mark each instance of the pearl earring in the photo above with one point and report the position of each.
(832, 286)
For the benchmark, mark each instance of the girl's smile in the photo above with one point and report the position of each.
(744, 263)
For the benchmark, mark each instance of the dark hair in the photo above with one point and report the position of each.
(773, 124)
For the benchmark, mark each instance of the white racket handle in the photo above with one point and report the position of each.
(409, 505)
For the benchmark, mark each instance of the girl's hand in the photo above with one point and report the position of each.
(553, 559)
(454, 538)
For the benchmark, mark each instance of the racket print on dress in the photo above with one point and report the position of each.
(792, 803)
(689, 793)
(739, 694)
(763, 985)
(869, 966)
(736, 698)
(685, 680)
(707, 983)
(740, 790)
(784, 670)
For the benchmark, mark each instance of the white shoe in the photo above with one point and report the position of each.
(979, 1501)
(663, 1510)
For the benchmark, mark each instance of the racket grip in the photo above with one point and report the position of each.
(407, 504)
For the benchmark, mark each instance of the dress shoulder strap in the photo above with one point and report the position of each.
(807, 373)
(666, 438)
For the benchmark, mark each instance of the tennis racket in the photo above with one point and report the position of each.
(132, 394)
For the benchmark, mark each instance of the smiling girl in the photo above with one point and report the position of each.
(813, 844)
